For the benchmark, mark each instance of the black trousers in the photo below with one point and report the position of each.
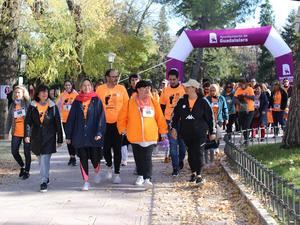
(245, 121)
(278, 119)
(84, 155)
(71, 149)
(15, 147)
(143, 160)
(195, 149)
(231, 121)
(112, 139)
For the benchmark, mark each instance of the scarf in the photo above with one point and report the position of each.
(83, 97)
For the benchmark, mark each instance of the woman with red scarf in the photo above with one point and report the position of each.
(85, 129)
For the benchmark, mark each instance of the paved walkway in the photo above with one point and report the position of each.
(64, 203)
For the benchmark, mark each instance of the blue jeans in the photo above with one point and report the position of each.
(44, 162)
(176, 156)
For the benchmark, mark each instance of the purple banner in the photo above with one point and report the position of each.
(176, 64)
(229, 37)
(285, 67)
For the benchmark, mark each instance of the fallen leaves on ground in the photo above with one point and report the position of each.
(217, 201)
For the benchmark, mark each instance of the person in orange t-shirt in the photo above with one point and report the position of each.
(64, 103)
(113, 97)
(15, 123)
(244, 98)
(168, 100)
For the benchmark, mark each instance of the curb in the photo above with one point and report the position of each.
(264, 216)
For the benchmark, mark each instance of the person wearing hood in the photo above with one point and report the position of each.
(85, 130)
(64, 103)
(15, 123)
(43, 131)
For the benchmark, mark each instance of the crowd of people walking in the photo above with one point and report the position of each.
(103, 120)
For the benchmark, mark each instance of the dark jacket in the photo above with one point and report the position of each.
(82, 132)
(229, 100)
(284, 99)
(10, 124)
(43, 135)
(196, 123)
(261, 112)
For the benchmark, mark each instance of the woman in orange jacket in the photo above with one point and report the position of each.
(142, 120)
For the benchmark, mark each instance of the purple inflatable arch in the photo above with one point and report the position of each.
(266, 36)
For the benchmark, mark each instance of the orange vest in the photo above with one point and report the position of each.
(19, 115)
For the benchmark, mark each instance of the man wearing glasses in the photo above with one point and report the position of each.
(113, 97)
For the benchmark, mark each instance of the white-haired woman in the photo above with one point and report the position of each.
(15, 123)
(219, 106)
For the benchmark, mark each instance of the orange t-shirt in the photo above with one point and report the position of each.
(215, 107)
(85, 106)
(277, 101)
(192, 103)
(42, 109)
(248, 91)
(19, 115)
(113, 100)
(64, 102)
(169, 97)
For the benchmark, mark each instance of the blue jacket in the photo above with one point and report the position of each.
(230, 103)
(82, 131)
(223, 109)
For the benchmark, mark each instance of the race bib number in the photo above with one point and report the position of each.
(148, 112)
(19, 113)
(67, 107)
(276, 106)
(256, 104)
(214, 105)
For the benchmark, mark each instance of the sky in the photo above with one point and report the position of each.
(281, 9)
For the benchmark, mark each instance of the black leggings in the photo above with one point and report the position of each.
(15, 147)
(195, 149)
(143, 160)
(278, 119)
(231, 121)
(112, 139)
(71, 149)
(245, 121)
(85, 154)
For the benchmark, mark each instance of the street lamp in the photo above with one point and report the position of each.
(111, 58)
(23, 61)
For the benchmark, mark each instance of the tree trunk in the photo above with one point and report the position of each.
(75, 10)
(292, 134)
(9, 23)
(144, 14)
(197, 71)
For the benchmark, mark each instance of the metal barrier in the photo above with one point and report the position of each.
(282, 197)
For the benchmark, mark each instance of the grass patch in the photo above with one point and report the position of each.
(284, 162)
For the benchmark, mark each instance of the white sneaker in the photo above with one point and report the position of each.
(109, 173)
(139, 181)
(148, 184)
(124, 163)
(97, 177)
(117, 179)
(85, 186)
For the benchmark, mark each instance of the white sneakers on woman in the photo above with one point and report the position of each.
(139, 181)
(85, 186)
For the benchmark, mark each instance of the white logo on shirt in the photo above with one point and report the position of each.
(190, 117)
